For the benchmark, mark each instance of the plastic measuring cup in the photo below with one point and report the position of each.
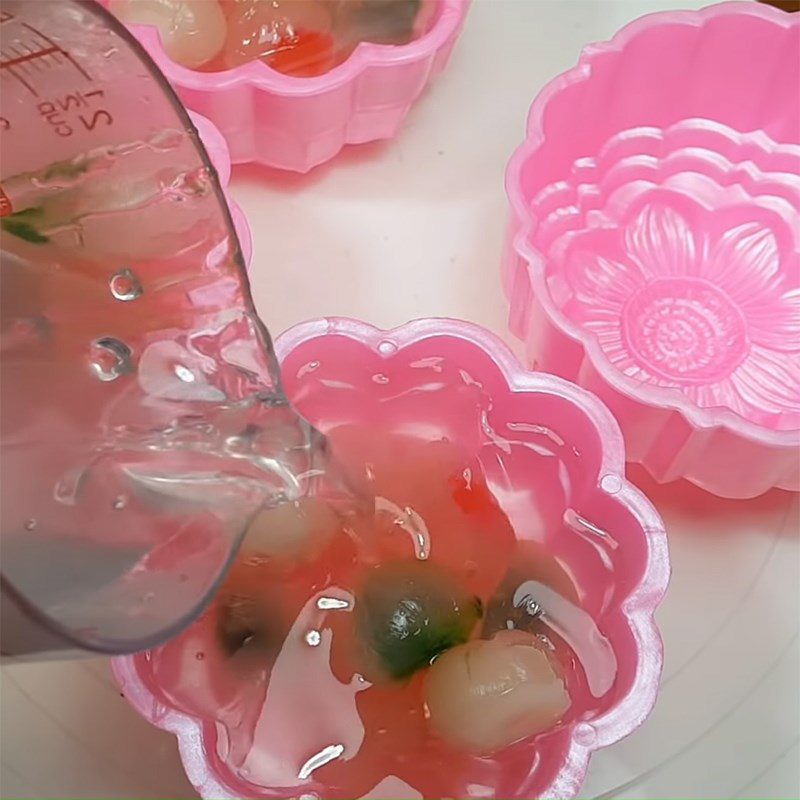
(142, 421)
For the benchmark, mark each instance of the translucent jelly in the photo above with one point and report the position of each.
(297, 37)
(392, 646)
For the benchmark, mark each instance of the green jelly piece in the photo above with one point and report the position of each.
(67, 169)
(20, 224)
(408, 612)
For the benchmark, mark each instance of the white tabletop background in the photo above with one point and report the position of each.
(412, 228)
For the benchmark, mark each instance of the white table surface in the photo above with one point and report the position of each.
(411, 228)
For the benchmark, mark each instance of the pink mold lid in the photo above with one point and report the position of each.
(426, 376)
(653, 254)
(297, 123)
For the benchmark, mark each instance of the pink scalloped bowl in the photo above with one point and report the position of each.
(297, 123)
(553, 456)
(653, 252)
(220, 156)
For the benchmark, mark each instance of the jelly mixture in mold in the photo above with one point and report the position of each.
(402, 642)
(303, 38)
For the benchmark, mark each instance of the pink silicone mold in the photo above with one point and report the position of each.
(220, 156)
(297, 123)
(653, 249)
(554, 459)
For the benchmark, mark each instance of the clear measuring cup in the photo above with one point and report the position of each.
(142, 421)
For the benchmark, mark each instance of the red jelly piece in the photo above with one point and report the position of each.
(312, 54)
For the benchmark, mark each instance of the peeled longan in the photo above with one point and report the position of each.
(293, 530)
(192, 31)
(487, 694)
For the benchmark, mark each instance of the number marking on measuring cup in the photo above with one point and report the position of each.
(32, 52)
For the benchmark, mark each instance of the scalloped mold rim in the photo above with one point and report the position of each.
(635, 607)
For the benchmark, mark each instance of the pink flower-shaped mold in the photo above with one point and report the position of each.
(653, 249)
(297, 123)
(553, 456)
(220, 156)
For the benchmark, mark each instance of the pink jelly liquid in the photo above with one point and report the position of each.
(300, 710)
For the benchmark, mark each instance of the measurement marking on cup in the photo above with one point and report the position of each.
(15, 74)
(12, 62)
(42, 52)
(43, 63)
(21, 50)
(63, 52)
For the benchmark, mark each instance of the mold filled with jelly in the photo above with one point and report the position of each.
(412, 642)
(302, 38)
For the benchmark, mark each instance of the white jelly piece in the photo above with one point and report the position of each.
(484, 695)
(192, 31)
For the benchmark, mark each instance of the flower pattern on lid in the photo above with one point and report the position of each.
(673, 306)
